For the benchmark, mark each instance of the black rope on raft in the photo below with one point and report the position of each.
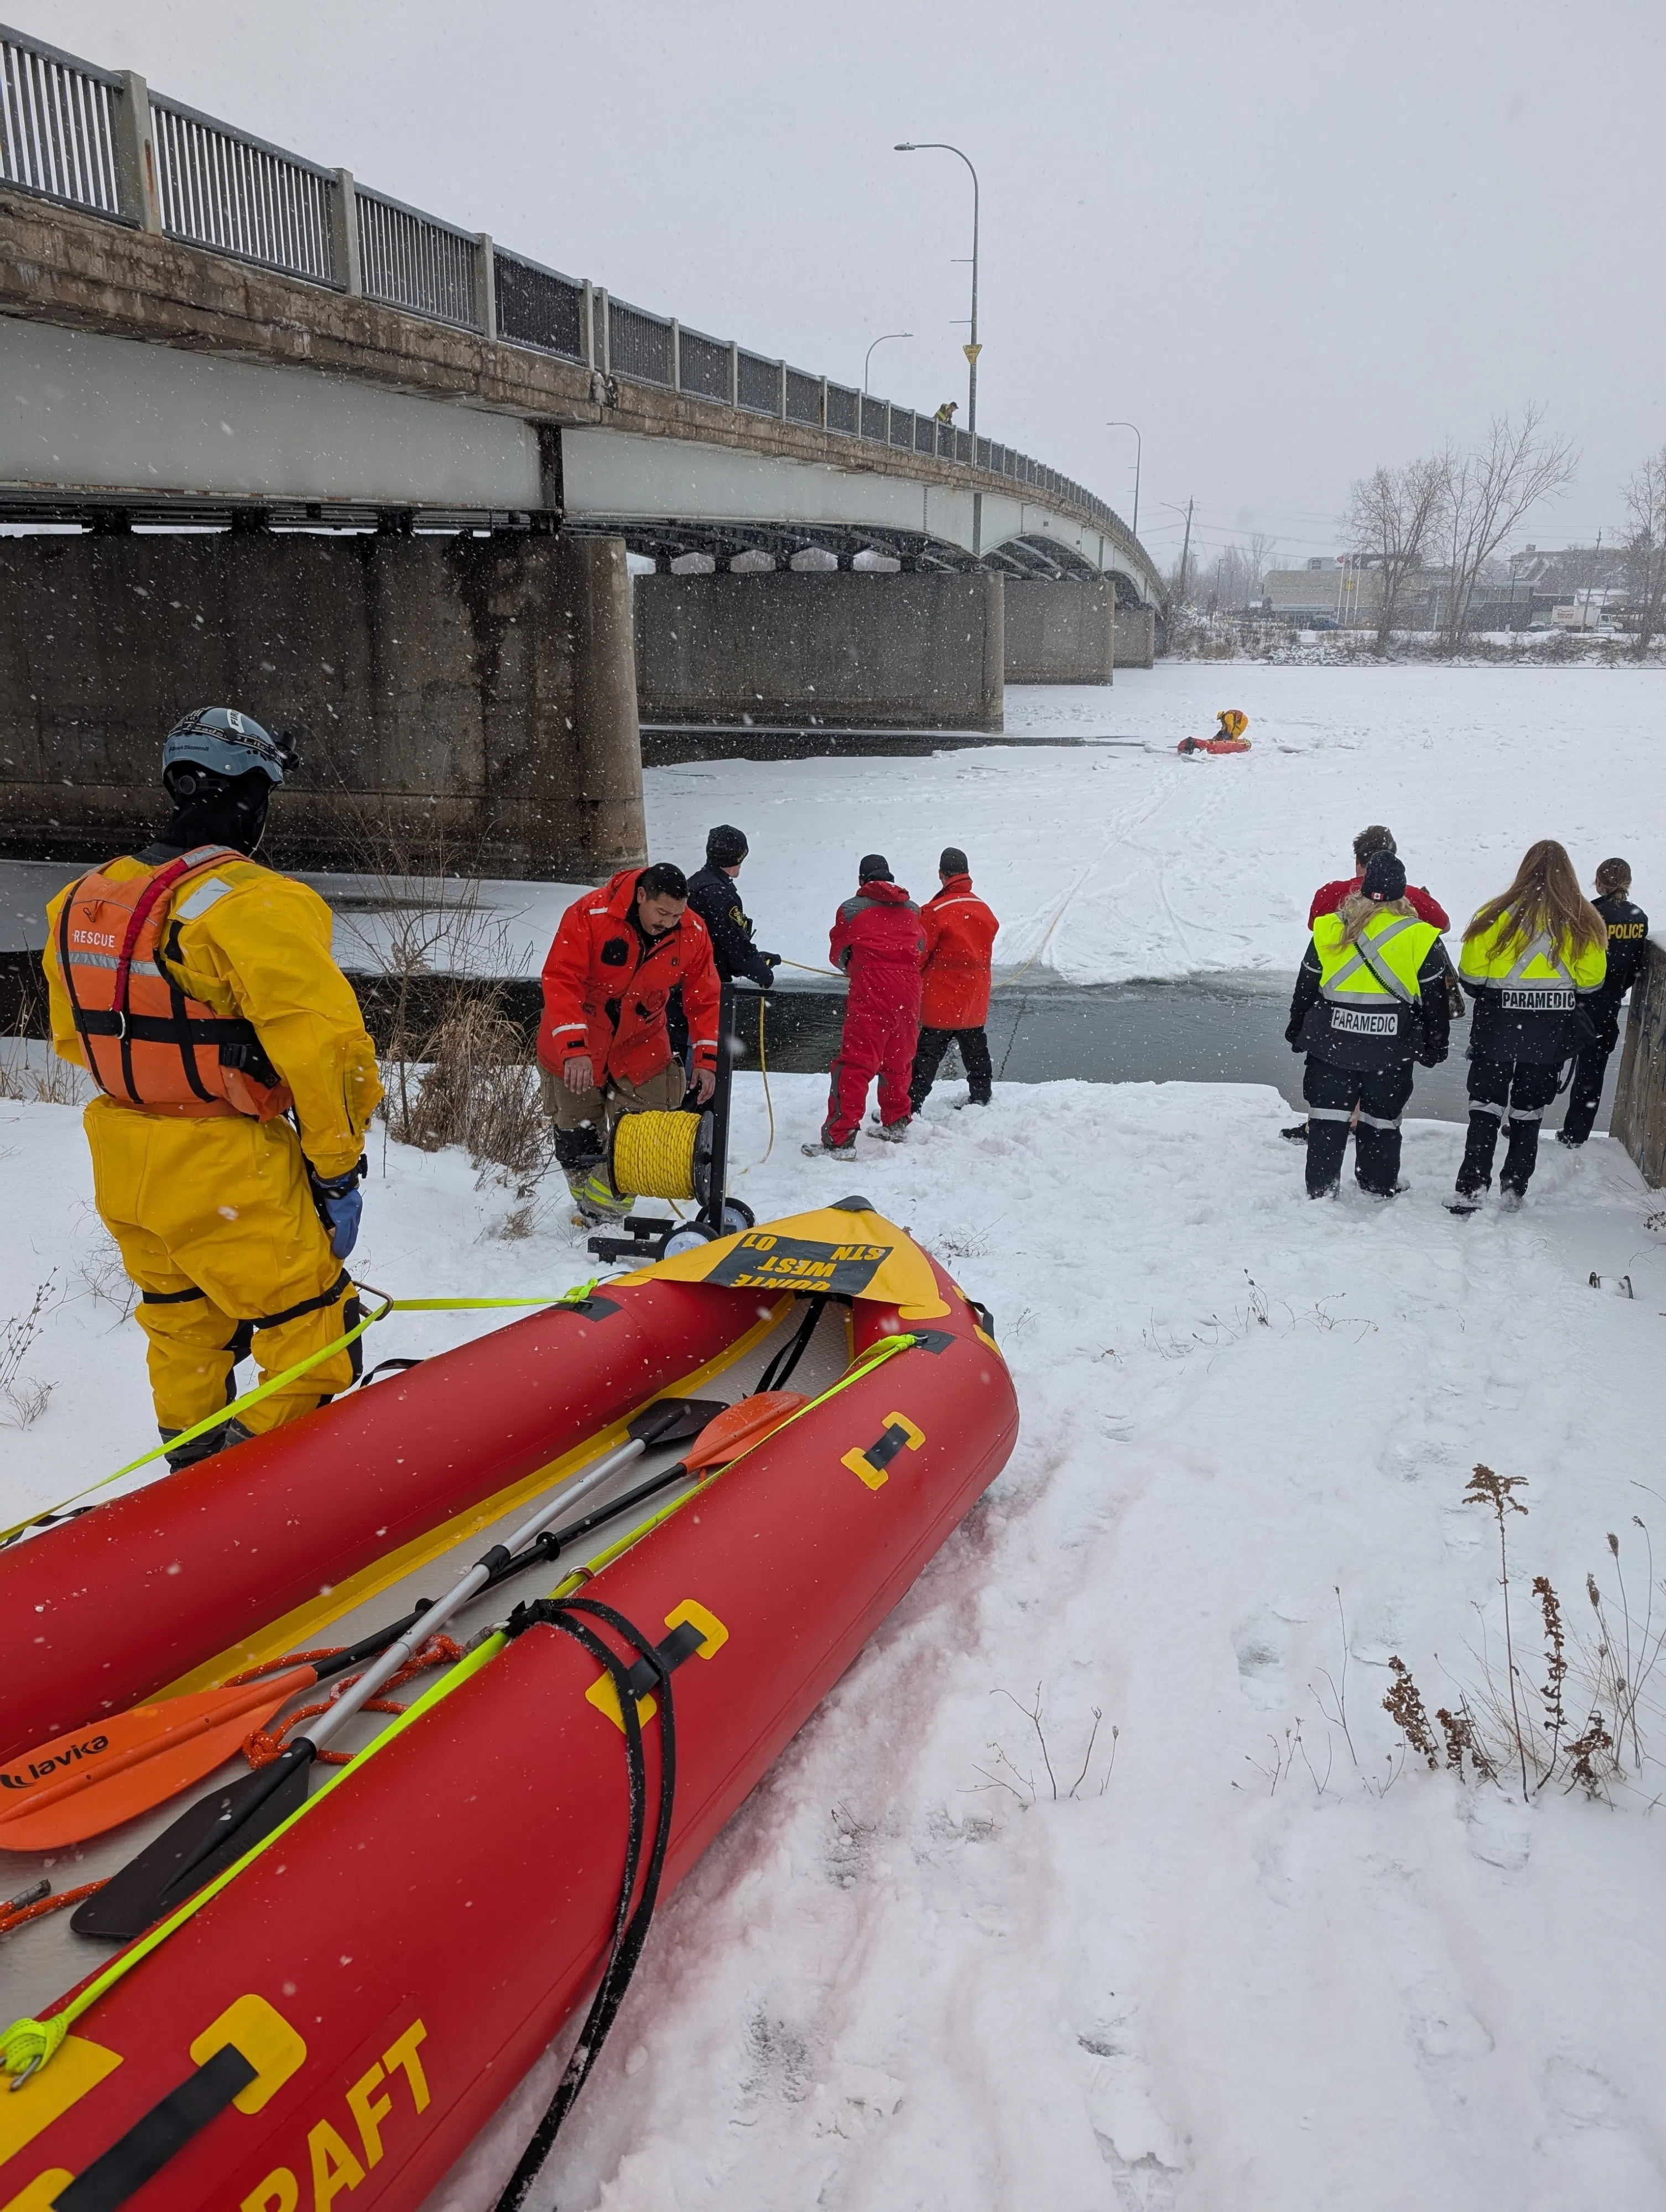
(630, 1928)
(778, 1373)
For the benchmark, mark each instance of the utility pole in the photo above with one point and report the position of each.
(1185, 548)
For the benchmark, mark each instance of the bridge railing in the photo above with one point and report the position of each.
(98, 139)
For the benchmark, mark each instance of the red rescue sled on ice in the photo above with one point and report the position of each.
(334, 2019)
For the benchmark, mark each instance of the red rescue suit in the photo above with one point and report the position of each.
(606, 984)
(878, 940)
(960, 932)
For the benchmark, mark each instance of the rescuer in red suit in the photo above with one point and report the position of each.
(876, 939)
(602, 1047)
(960, 932)
(1328, 897)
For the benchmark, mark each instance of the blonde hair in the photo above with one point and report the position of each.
(1356, 910)
(1544, 901)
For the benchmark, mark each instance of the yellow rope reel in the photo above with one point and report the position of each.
(661, 1155)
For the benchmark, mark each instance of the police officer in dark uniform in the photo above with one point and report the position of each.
(1628, 948)
(713, 896)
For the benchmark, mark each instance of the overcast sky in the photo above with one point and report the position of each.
(1288, 240)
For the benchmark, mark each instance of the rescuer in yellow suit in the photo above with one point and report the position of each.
(236, 1081)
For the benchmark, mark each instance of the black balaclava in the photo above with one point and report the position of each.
(212, 810)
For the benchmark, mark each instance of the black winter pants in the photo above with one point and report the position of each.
(1516, 1090)
(1589, 1073)
(1332, 1093)
(928, 1058)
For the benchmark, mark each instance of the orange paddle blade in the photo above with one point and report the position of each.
(738, 1428)
(96, 1778)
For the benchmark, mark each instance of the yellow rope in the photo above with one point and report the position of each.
(653, 1155)
(280, 1382)
(764, 1068)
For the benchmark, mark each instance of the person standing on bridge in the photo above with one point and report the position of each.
(959, 932)
(235, 1083)
(1370, 999)
(878, 940)
(602, 1047)
(1628, 953)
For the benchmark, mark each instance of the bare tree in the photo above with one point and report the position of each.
(1645, 511)
(1392, 518)
(1260, 549)
(1491, 490)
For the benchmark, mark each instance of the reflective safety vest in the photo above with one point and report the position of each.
(1366, 984)
(145, 1042)
(1531, 976)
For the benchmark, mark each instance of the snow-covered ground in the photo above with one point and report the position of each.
(1259, 1964)
(1106, 862)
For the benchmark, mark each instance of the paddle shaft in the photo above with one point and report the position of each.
(476, 1579)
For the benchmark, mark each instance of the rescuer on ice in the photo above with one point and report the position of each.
(954, 983)
(1628, 949)
(878, 940)
(235, 1082)
(713, 896)
(1534, 961)
(1369, 999)
(603, 1046)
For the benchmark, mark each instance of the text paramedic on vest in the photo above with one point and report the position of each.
(236, 1082)
(960, 932)
(603, 1048)
(878, 940)
(1370, 998)
(1628, 952)
(1534, 960)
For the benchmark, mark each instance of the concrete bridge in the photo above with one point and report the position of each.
(382, 419)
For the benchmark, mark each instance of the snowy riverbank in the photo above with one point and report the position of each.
(1231, 1974)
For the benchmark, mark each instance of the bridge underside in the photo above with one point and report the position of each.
(118, 435)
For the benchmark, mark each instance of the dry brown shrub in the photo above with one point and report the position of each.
(471, 1083)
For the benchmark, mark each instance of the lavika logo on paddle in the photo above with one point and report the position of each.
(761, 1261)
(49, 1770)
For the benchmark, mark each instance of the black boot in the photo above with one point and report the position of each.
(1474, 1173)
(202, 1447)
(1521, 1158)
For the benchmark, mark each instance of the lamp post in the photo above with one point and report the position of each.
(869, 355)
(972, 349)
(1139, 443)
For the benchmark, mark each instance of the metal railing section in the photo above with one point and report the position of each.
(58, 125)
(221, 189)
(413, 260)
(74, 133)
(638, 345)
(539, 307)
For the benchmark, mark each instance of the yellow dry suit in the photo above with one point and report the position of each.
(214, 1214)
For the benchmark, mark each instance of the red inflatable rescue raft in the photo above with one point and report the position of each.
(335, 2020)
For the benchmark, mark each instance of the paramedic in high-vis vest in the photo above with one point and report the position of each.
(235, 1082)
(1370, 999)
(1534, 961)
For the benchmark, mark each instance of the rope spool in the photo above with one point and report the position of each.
(661, 1155)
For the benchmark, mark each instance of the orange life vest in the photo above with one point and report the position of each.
(145, 1042)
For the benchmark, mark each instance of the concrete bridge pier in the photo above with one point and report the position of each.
(842, 648)
(464, 704)
(1061, 631)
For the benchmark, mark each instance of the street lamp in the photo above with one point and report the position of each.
(1138, 445)
(972, 350)
(869, 355)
